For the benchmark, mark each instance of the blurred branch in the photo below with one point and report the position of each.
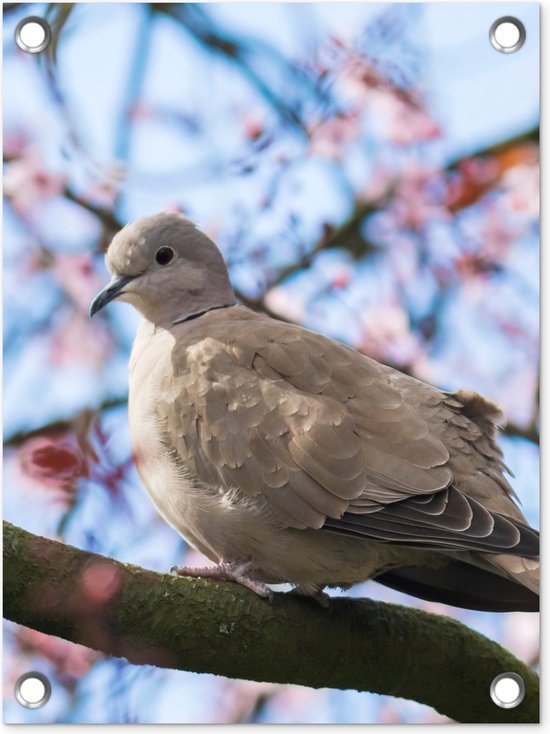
(529, 433)
(222, 628)
(57, 14)
(529, 136)
(349, 234)
(196, 22)
(62, 425)
(106, 215)
(10, 7)
(134, 84)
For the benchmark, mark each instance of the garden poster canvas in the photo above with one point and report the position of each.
(288, 472)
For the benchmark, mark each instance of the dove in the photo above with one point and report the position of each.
(286, 457)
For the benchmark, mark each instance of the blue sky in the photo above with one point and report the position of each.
(478, 95)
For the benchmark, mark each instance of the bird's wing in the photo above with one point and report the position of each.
(328, 438)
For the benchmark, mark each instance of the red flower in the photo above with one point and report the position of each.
(54, 462)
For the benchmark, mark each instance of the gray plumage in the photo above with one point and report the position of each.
(286, 456)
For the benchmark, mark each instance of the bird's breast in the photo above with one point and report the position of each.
(170, 489)
(200, 512)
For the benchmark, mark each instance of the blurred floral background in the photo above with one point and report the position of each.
(368, 170)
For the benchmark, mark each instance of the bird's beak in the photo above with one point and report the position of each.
(111, 291)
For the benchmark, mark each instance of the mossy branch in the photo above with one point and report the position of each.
(221, 628)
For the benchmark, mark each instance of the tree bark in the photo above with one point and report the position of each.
(222, 628)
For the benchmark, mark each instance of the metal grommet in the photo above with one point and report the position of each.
(33, 690)
(507, 34)
(508, 690)
(33, 34)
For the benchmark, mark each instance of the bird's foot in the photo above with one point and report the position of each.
(316, 593)
(235, 572)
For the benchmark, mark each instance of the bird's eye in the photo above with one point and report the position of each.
(164, 255)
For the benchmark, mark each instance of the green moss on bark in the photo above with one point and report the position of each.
(221, 628)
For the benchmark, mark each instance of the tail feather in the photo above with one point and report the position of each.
(524, 571)
(461, 584)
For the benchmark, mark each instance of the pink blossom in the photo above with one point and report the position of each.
(103, 193)
(520, 393)
(357, 77)
(27, 182)
(67, 658)
(286, 305)
(297, 702)
(341, 279)
(522, 186)
(378, 184)
(522, 636)
(497, 234)
(330, 138)
(482, 170)
(404, 122)
(422, 367)
(78, 278)
(142, 112)
(387, 335)
(474, 177)
(410, 126)
(15, 144)
(173, 206)
(77, 340)
(253, 128)
(390, 714)
(53, 462)
(417, 200)
(473, 267)
(402, 115)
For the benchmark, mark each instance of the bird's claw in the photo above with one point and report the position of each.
(226, 572)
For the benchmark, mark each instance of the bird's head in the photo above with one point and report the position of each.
(166, 268)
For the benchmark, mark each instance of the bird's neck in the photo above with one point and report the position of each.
(201, 312)
(194, 303)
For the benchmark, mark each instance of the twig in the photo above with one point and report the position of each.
(60, 425)
(529, 433)
(106, 215)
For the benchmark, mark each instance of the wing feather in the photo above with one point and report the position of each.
(328, 438)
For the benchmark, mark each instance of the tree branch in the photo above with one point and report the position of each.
(529, 433)
(221, 628)
(61, 425)
(105, 214)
